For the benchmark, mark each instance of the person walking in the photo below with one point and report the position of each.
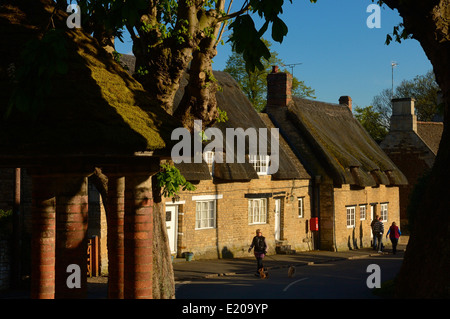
(379, 231)
(260, 246)
(394, 234)
(374, 221)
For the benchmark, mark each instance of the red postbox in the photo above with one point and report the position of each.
(314, 224)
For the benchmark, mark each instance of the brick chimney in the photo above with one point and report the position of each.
(346, 100)
(403, 117)
(279, 88)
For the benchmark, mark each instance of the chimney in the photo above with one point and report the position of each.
(403, 117)
(346, 100)
(279, 88)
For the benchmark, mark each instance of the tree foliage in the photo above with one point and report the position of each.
(254, 83)
(172, 37)
(371, 121)
(423, 88)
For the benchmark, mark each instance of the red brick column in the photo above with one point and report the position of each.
(71, 242)
(43, 239)
(138, 241)
(115, 221)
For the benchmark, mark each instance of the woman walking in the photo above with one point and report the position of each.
(394, 234)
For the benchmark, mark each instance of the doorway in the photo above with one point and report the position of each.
(171, 226)
(277, 230)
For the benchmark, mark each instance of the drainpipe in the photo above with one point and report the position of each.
(334, 219)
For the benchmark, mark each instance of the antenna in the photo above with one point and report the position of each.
(292, 65)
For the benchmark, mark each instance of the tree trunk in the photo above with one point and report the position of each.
(199, 99)
(425, 270)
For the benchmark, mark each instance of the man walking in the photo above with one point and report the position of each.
(372, 225)
(378, 232)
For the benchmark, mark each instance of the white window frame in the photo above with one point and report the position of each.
(351, 211)
(260, 163)
(257, 211)
(384, 210)
(203, 218)
(301, 207)
(209, 159)
(362, 212)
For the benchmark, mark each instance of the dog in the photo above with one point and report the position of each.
(263, 274)
(291, 271)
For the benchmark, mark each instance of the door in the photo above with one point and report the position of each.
(171, 226)
(277, 219)
(372, 216)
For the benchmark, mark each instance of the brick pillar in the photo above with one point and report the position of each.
(138, 233)
(43, 238)
(115, 211)
(71, 242)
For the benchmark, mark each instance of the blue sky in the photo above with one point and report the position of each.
(340, 55)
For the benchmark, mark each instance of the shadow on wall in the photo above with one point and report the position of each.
(227, 254)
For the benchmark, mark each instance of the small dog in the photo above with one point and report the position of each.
(263, 274)
(291, 271)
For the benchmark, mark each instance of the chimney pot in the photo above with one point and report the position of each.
(275, 69)
(346, 100)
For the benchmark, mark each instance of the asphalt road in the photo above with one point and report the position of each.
(346, 279)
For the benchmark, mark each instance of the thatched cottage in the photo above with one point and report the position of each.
(352, 178)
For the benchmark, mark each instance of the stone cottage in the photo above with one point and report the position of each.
(412, 145)
(352, 178)
(232, 200)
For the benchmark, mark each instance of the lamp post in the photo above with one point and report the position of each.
(393, 65)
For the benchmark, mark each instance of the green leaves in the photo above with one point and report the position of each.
(398, 34)
(279, 30)
(170, 180)
(246, 38)
(247, 41)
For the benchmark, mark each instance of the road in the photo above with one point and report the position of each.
(346, 279)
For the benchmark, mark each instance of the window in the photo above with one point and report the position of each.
(260, 163)
(300, 207)
(257, 211)
(209, 159)
(362, 212)
(205, 214)
(351, 217)
(384, 212)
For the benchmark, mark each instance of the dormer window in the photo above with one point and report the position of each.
(260, 163)
(209, 159)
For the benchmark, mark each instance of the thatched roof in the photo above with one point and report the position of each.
(95, 109)
(334, 142)
(431, 134)
(241, 114)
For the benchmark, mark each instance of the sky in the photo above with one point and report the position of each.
(339, 54)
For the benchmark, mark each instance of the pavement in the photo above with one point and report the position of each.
(201, 269)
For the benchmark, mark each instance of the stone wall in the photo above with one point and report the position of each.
(233, 234)
(335, 203)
